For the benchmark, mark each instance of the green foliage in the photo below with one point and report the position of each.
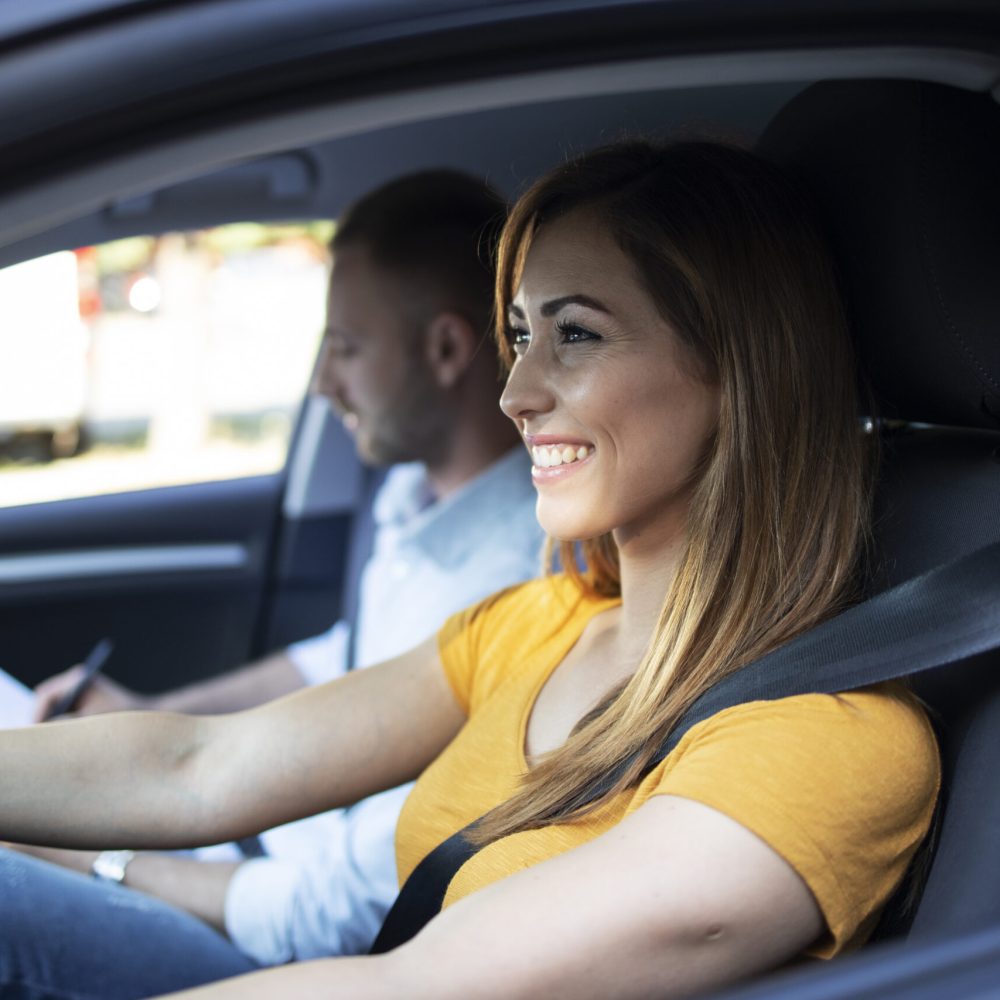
(138, 253)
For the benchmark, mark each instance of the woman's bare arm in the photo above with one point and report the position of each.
(675, 899)
(157, 780)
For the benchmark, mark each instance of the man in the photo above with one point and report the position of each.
(407, 364)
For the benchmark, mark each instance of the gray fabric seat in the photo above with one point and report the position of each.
(906, 178)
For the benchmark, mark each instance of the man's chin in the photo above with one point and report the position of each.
(366, 454)
(370, 450)
(373, 451)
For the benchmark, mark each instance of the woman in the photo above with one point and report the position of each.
(681, 375)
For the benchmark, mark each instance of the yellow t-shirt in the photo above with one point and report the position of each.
(841, 786)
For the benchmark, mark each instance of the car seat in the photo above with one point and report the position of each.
(907, 180)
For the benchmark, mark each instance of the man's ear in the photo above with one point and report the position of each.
(449, 345)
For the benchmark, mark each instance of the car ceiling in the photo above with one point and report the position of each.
(311, 151)
(20, 19)
(509, 146)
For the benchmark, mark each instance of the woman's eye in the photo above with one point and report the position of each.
(518, 338)
(572, 333)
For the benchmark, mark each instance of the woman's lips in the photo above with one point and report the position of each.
(555, 461)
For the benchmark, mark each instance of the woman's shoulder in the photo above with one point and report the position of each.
(885, 722)
(875, 712)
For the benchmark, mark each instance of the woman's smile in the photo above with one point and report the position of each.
(554, 457)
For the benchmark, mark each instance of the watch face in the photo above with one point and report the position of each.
(109, 866)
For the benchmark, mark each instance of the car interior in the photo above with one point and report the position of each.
(900, 146)
(903, 172)
(292, 530)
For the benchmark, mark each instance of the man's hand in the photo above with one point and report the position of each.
(101, 695)
(196, 886)
(79, 861)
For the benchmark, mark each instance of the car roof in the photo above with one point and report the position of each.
(292, 109)
(19, 20)
(316, 180)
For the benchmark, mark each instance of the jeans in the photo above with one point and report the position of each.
(65, 936)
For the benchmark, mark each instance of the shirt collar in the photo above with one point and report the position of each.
(404, 494)
(447, 529)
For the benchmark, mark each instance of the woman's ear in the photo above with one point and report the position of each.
(449, 345)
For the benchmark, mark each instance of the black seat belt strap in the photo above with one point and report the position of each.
(942, 617)
(362, 541)
(946, 615)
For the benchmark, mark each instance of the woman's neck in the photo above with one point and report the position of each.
(648, 562)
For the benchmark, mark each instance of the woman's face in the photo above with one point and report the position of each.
(607, 398)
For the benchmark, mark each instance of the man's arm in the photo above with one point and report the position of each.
(196, 886)
(331, 901)
(247, 687)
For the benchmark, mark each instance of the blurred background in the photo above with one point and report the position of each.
(154, 361)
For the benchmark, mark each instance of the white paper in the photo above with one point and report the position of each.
(17, 702)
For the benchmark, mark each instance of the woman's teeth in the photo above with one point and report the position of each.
(547, 456)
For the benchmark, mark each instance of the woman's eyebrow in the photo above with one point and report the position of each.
(553, 306)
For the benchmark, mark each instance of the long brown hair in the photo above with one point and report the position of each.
(725, 245)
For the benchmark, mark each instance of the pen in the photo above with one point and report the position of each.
(95, 660)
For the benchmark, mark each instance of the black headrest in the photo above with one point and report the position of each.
(907, 178)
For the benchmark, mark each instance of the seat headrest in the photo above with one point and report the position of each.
(907, 180)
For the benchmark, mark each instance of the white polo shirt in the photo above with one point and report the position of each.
(328, 882)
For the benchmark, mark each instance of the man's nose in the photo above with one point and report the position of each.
(324, 380)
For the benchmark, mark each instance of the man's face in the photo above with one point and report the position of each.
(372, 367)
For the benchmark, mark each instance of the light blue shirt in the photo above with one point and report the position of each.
(328, 882)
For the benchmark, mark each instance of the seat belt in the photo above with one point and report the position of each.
(360, 549)
(942, 617)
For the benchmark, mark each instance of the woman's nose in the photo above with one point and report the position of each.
(527, 391)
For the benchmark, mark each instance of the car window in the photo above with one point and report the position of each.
(157, 360)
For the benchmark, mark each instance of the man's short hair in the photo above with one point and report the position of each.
(435, 232)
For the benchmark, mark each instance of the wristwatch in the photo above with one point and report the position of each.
(109, 866)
